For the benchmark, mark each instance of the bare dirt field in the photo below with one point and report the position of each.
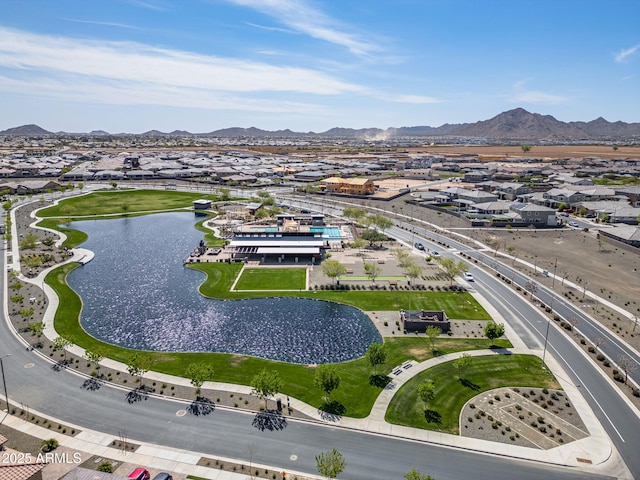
(544, 151)
(609, 271)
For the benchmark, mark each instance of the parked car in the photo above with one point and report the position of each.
(139, 474)
(419, 246)
(563, 214)
(163, 476)
(468, 277)
(573, 224)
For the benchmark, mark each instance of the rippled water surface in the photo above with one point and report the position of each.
(137, 294)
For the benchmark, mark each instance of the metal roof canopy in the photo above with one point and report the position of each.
(288, 251)
(276, 243)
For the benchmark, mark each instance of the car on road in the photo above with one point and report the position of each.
(419, 246)
(163, 476)
(574, 224)
(563, 214)
(433, 253)
(468, 277)
(139, 474)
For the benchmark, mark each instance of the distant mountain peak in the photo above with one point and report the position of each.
(26, 130)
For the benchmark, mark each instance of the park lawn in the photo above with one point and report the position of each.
(74, 237)
(484, 373)
(272, 279)
(356, 393)
(458, 305)
(123, 201)
(209, 237)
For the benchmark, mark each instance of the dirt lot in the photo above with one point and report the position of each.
(546, 151)
(607, 270)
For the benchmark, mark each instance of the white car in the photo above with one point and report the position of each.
(574, 224)
(468, 277)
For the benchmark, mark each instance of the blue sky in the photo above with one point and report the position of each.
(310, 65)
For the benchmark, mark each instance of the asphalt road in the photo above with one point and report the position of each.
(620, 421)
(291, 445)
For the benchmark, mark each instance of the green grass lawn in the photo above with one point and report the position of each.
(272, 279)
(458, 305)
(355, 395)
(74, 237)
(123, 202)
(484, 373)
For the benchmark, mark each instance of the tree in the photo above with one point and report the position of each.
(265, 384)
(36, 329)
(198, 373)
(525, 148)
(61, 343)
(532, 288)
(452, 268)
(511, 250)
(382, 222)
(359, 243)
(94, 356)
(333, 269)
(373, 236)
(376, 355)
(493, 330)
(265, 198)
(626, 364)
(413, 271)
(326, 379)
(372, 270)
(416, 475)
(354, 214)
(432, 332)
(427, 392)
(462, 363)
(29, 242)
(403, 257)
(494, 243)
(139, 363)
(225, 194)
(330, 464)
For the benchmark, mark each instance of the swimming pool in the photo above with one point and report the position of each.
(328, 233)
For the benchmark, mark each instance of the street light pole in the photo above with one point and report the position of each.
(4, 381)
(555, 265)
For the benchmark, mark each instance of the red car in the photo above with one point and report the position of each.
(139, 474)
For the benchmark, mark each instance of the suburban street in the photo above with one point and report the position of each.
(293, 445)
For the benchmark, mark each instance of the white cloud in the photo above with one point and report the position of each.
(399, 98)
(106, 24)
(622, 55)
(522, 95)
(162, 72)
(304, 18)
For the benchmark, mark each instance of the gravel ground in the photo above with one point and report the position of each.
(528, 417)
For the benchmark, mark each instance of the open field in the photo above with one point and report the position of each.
(443, 413)
(123, 202)
(607, 270)
(272, 279)
(537, 151)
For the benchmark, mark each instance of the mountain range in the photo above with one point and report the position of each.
(516, 124)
